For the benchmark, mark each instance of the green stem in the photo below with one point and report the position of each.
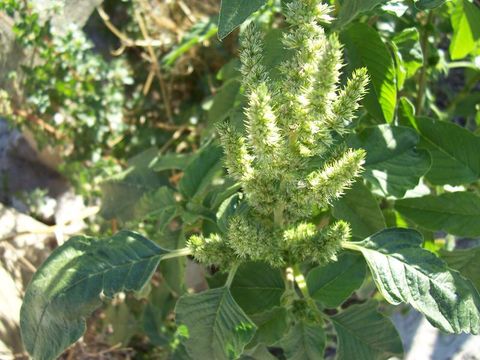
(177, 253)
(422, 82)
(350, 246)
(300, 280)
(231, 275)
(289, 279)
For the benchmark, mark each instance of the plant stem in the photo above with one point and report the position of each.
(422, 83)
(300, 280)
(231, 275)
(350, 246)
(177, 253)
(289, 279)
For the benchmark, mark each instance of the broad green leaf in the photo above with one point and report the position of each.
(234, 12)
(217, 327)
(232, 206)
(405, 272)
(197, 34)
(173, 270)
(350, 9)
(271, 325)
(201, 170)
(171, 161)
(465, 20)
(375, 56)
(454, 151)
(457, 213)
(160, 204)
(68, 287)
(275, 53)
(466, 262)
(393, 164)
(406, 112)
(360, 209)
(121, 192)
(365, 334)
(334, 283)
(428, 4)
(259, 281)
(407, 42)
(304, 342)
(224, 102)
(401, 70)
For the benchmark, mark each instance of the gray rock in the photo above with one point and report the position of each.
(422, 341)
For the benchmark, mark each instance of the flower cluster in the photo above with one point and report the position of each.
(293, 159)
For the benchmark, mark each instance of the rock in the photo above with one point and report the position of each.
(23, 247)
(422, 341)
(21, 168)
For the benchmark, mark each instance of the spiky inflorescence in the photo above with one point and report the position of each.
(293, 158)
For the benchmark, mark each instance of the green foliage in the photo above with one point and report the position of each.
(404, 272)
(465, 19)
(67, 287)
(389, 148)
(375, 56)
(452, 149)
(365, 334)
(457, 212)
(304, 342)
(465, 261)
(224, 327)
(360, 208)
(77, 89)
(333, 284)
(235, 12)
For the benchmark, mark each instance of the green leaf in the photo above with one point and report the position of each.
(465, 20)
(365, 334)
(217, 327)
(304, 342)
(457, 213)
(454, 151)
(121, 192)
(375, 56)
(234, 205)
(428, 4)
(201, 170)
(406, 112)
(393, 164)
(271, 326)
(173, 270)
(171, 161)
(224, 102)
(259, 281)
(360, 209)
(67, 287)
(234, 12)
(405, 272)
(350, 9)
(160, 204)
(466, 262)
(407, 42)
(334, 283)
